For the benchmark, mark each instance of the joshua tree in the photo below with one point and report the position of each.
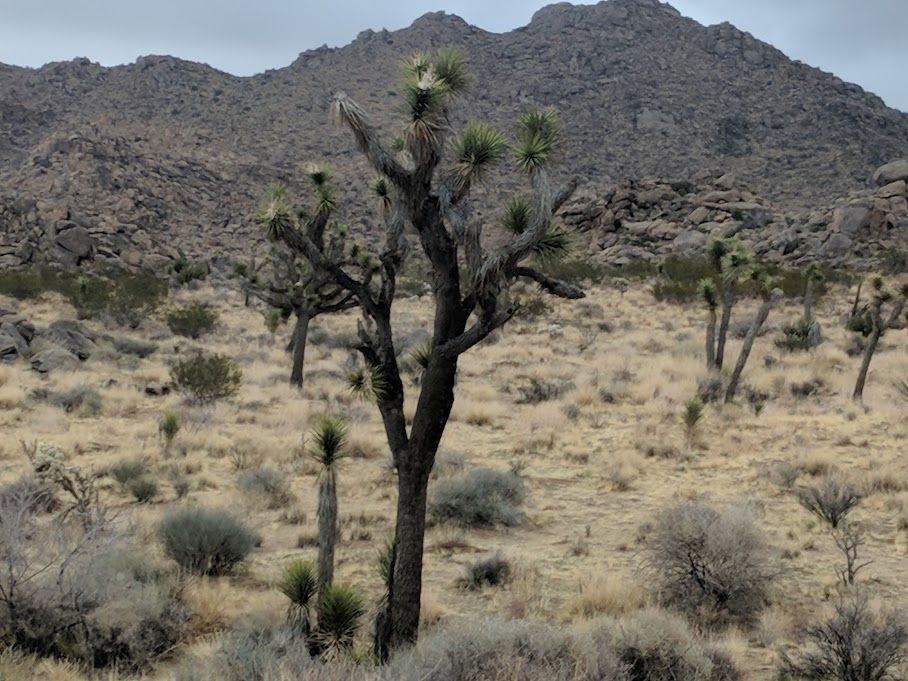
(426, 185)
(732, 264)
(770, 297)
(878, 324)
(708, 293)
(298, 584)
(290, 284)
(329, 440)
(815, 277)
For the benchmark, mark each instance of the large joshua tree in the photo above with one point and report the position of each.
(426, 183)
(732, 265)
(876, 323)
(290, 284)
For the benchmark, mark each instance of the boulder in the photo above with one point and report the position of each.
(71, 336)
(699, 215)
(850, 219)
(10, 348)
(891, 172)
(837, 244)
(688, 240)
(76, 240)
(53, 358)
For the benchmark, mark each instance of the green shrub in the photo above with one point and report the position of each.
(798, 336)
(185, 270)
(193, 320)
(205, 541)
(481, 497)
(207, 377)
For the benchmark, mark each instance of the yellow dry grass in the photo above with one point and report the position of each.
(598, 462)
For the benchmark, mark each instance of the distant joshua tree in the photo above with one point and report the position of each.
(290, 285)
(732, 264)
(872, 321)
(425, 183)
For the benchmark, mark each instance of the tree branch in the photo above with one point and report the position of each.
(556, 287)
(350, 113)
(476, 333)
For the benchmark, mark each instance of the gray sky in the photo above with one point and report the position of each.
(862, 41)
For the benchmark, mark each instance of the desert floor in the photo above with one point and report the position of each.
(596, 470)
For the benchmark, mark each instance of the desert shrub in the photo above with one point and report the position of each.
(185, 270)
(482, 496)
(534, 307)
(268, 483)
(133, 346)
(125, 471)
(207, 376)
(168, 427)
(299, 584)
(489, 571)
(30, 491)
(515, 650)
(81, 399)
(537, 390)
(143, 488)
(193, 320)
(256, 654)
(709, 564)
(205, 541)
(854, 644)
(116, 294)
(575, 270)
(831, 500)
(77, 592)
(655, 645)
(802, 335)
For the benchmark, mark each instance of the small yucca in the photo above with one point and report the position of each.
(367, 383)
(339, 615)
(275, 214)
(329, 439)
(706, 289)
(298, 584)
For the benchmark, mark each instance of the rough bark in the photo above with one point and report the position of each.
(808, 300)
(728, 302)
(711, 339)
(752, 332)
(300, 335)
(327, 530)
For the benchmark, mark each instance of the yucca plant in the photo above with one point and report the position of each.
(880, 322)
(340, 611)
(693, 412)
(771, 296)
(366, 383)
(706, 289)
(168, 428)
(299, 584)
(329, 440)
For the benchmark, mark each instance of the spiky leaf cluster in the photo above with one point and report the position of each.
(706, 290)
(539, 136)
(275, 213)
(479, 147)
(340, 611)
(298, 583)
(367, 383)
(329, 440)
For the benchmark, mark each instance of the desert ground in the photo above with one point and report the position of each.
(599, 461)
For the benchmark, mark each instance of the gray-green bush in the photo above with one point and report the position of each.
(205, 541)
(193, 320)
(207, 377)
(482, 496)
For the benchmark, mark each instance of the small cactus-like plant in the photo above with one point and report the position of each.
(693, 413)
(329, 442)
(298, 583)
(340, 611)
(168, 428)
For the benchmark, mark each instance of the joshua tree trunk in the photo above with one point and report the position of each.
(327, 530)
(711, 340)
(752, 332)
(727, 303)
(300, 333)
(808, 300)
(857, 299)
(872, 342)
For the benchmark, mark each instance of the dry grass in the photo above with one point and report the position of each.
(591, 480)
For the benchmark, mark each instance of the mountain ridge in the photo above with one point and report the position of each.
(643, 91)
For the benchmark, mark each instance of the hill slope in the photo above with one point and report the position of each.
(178, 151)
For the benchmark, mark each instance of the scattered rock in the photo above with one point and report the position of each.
(53, 358)
(891, 172)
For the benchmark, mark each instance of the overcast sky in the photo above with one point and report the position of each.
(863, 41)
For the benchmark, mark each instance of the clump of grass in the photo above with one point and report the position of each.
(82, 400)
(831, 500)
(268, 483)
(143, 488)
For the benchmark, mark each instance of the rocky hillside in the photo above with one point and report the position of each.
(133, 162)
